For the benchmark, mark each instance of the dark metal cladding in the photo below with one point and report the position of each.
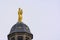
(20, 27)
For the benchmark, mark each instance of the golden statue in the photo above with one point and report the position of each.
(19, 15)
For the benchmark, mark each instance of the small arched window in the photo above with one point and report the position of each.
(20, 38)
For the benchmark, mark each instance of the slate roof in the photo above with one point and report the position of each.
(20, 27)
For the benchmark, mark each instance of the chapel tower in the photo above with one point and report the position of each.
(20, 31)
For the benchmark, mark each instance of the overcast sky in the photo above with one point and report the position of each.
(42, 17)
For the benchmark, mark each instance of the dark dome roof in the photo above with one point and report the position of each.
(20, 27)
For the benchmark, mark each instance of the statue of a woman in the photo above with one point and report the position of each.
(19, 15)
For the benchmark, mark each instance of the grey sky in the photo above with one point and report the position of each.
(42, 17)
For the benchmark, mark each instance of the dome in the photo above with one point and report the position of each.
(20, 27)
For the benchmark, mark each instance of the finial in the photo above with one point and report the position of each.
(20, 15)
